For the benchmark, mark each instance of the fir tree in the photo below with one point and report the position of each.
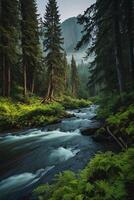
(65, 64)
(0, 48)
(8, 42)
(30, 43)
(52, 46)
(74, 77)
(108, 28)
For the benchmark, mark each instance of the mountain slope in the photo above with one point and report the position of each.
(72, 33)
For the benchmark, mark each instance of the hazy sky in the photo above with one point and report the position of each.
(68, 8)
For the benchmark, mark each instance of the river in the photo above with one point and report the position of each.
(34, 156)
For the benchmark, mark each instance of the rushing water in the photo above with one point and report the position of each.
(32, 157)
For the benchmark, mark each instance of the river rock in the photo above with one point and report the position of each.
(94, 126)
(101, 138)
(89, 131)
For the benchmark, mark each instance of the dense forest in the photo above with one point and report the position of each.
(41, 87)
(25, 64)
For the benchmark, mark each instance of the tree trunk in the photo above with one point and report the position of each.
(24, 80)
(129, 16)
(50, 90)
(8, 81)
(74, 90)
(32, 87)
(3, 76)
(118, 48)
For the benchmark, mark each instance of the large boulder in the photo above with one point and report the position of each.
(89, 131)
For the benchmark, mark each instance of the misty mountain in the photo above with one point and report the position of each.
(72, 35)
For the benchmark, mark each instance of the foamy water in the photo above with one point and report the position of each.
(62, 154)
(19, 181)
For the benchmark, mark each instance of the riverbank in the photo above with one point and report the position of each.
(18, 115)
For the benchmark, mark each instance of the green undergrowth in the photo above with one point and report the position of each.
(73, 103)
(111, 103)
(121, 125)
(15, 115)
(123, 122)
(31, 113)
(107, 177)
(118, 116)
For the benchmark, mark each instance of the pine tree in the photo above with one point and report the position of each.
(0, 49)
(8, 42)
(52, 46)
(74, 77)
(127, 8)
(65, 64)
(108, 28)
(30, 43)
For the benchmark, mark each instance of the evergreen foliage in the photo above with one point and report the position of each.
(108, 29)
(24, 68)
(53, 48)
(8, 43)
(74, 77)
(31, 55)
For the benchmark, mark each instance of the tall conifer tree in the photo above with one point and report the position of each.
(8, 42)
(74, 77)
(53, 50)
(65, 71)
(108, 26)
(30, 43)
